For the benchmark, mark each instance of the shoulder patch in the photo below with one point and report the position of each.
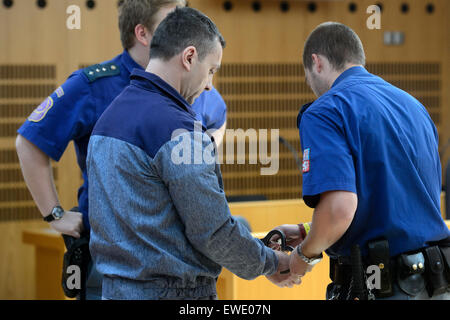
(41, 111)
(98, 71)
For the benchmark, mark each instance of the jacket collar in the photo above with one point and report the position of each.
(358, 70)
(153, 82)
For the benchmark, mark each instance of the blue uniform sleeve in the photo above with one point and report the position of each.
(211, 109)
(327, 160)
(65, 115)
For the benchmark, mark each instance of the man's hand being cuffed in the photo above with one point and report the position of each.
(283, 279)
(298, 266)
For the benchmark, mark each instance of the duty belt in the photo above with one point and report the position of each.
(413, 271)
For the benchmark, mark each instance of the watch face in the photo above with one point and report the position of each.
(57, 213)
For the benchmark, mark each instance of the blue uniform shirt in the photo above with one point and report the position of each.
(370, 138)
(71, 112)
(161, 225)
(210, 110)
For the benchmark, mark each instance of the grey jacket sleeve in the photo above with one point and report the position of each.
(186, 165)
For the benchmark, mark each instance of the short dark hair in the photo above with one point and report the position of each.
(182, 28)
(135, 12)
(335, 41)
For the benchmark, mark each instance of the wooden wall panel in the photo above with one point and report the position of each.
(28, 75)
(261, 91)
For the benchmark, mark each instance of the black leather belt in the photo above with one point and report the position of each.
(412, 271)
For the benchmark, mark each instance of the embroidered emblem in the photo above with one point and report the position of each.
(306, 154)
(59, 92)
(41, 111)
(305, 166)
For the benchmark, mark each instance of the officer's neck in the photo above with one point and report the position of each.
(140, 54)
(335, 74)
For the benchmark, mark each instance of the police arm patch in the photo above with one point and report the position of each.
(305, 166)
(59, 92)
(40, 112)
(306, 163)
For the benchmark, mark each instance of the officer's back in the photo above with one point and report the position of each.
(394, 145)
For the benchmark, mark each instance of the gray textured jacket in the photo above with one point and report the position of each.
(161, 227)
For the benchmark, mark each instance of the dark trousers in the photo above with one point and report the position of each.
(93, 283)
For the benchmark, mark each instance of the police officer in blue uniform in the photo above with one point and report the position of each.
(70, 113)
(371, 170)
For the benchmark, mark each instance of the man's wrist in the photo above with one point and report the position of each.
(313, 260)
(307, 253)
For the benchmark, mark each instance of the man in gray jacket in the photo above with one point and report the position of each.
(161, 225)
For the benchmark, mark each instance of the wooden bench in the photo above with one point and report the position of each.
(49, 251)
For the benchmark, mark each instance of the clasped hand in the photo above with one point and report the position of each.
(296, 266)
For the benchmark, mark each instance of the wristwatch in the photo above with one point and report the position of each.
(56, 214)
(309, 261)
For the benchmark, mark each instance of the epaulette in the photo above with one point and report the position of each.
(98, 71)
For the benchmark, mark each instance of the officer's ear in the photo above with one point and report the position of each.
(143, 35)
(189, 57)
(317, 63)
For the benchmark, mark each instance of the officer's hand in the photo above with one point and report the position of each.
(283, 280)
(293, 236)
(70, 224)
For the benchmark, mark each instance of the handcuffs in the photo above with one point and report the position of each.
(281, 242)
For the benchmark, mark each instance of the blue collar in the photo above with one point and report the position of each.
(348, 73)
(129, 63)
(152, 82)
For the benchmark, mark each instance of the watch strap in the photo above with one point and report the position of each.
(49, 218)
(306, 259)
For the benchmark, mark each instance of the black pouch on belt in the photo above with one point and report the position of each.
(436, 280)
(410, 269)
(76, 258)
(379, 256)
(446, 256)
